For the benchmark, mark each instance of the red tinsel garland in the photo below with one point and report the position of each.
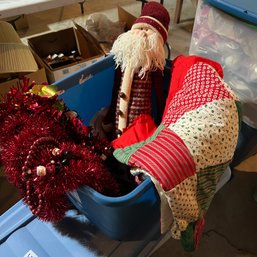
(47, 151)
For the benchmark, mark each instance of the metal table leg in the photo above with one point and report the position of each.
(82, 6)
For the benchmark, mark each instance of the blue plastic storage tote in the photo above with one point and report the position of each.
(23, 235)
(128, 217)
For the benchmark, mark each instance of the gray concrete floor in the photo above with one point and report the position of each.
(231, 223)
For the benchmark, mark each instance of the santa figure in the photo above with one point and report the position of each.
(139, 55)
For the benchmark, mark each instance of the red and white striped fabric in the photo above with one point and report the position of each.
(166, 158)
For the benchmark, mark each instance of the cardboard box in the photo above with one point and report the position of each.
(126, 17)
(65, 41)
(39, 77)
(19, 22)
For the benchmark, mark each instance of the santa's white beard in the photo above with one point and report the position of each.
(139, 52)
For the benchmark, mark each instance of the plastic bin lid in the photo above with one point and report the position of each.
(30, 237)
(23, 235)
(246, 10)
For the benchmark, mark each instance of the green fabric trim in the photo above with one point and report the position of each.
(239, 111)
(187, 238)
(123, 154)
(207, 180)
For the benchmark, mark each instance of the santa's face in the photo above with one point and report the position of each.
(141, 48)
(143, 31)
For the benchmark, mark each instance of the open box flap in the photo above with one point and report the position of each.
(93, 47)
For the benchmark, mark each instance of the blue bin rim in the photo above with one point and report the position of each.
(14, 218)
(108, 200)
(91, 70)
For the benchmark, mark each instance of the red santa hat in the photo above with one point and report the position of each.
(157, 16)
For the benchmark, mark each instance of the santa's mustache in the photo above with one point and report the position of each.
(139, 51)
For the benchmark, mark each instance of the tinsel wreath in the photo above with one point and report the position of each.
(47, 151)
